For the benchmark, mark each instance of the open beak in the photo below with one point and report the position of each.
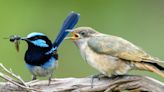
(74, 36)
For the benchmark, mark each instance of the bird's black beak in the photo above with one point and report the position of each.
(25, 39)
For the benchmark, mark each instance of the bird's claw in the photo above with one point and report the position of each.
(116, 77)
(99, 76)
(49, 81)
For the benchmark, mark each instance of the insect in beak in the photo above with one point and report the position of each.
(16, 40)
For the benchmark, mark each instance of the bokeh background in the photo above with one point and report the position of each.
(139, 21)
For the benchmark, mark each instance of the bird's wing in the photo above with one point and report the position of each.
(68, 24)
(118, 47)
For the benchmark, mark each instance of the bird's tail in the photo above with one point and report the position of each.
(149, 66)
(68, 24)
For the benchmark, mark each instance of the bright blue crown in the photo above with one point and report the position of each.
(35, 34)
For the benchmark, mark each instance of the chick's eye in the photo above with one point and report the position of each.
(82, 33)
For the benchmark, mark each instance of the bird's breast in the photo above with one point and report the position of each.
(103, 63)
(45, 69)
(34, 57)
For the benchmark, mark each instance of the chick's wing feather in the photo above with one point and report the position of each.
(116, 46)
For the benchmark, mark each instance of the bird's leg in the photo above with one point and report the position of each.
(99, 76)
(49, 80)
(34, 77)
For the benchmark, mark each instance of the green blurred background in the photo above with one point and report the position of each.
(139, 21)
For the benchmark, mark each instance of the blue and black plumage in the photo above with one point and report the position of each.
(41, 56)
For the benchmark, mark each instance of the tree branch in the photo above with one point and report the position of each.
(114, 84)
(117, 84)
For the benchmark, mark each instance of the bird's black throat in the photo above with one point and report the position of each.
(37, 55)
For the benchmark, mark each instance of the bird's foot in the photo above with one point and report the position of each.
(118, 76)
(99, 76)
(49, 81)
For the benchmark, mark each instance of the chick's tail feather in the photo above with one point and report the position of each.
(149, 66)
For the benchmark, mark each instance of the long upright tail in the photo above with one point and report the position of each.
(68, 24)
(153, 67)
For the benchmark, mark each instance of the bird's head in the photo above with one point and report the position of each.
(37, 39)
(82, 33)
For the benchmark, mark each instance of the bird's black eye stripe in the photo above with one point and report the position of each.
(34, 38)
(37, 37)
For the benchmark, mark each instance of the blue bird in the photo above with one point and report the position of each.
(41, 56)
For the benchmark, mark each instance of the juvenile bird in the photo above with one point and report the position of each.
(112, 55)
(41, 56)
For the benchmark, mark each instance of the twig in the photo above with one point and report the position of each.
(11, 80)
(12, 74)
(7, 78)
